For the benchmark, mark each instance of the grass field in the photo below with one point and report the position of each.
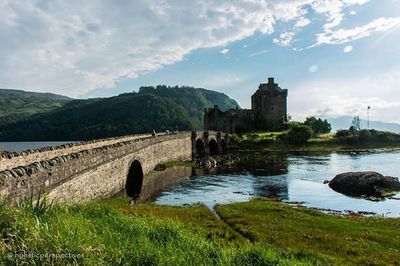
(323, 238)
(260, 232)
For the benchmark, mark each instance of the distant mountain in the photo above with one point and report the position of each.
(344, 122)
(43, 95)
(16, 105)
(157, 108)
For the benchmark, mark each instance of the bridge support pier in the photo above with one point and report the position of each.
(194, 148)
(206, 142)
(219, 138)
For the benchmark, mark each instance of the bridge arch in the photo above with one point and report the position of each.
(213, 145)
(134, 181)
(200, 148)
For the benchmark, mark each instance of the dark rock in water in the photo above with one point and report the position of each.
(364, 184)
(219, 160)
(326, 181)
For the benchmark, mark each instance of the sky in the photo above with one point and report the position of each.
(335, 57)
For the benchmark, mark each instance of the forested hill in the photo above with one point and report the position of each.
(159, 108)
(18, 104)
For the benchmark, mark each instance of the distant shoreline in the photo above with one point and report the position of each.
(318, 148)
(274, 141)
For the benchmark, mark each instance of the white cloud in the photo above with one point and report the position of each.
(284, 39)
(297, 10)
(333, 9)
(348, 49)
(259, 53)
(72, 47)
(348, 97)
(224, 51)
(347, 35)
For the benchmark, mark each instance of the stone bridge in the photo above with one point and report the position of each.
(100, 168)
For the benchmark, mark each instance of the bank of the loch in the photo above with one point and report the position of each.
(278, 141)
(260, 232)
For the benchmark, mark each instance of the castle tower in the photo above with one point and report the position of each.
(270, 102)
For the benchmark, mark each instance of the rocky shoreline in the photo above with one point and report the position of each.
(228, 161)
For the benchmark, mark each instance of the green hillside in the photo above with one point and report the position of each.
(159, 108)
(16, 104)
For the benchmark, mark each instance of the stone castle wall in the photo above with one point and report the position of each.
(217, 120)
(272, 108)
(270, 102)
(268, 109)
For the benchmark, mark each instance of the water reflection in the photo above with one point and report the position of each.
(289, 177)
(157, 181)
(260, 164)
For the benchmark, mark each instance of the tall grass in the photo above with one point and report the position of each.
(260, 232)
(101, 233)
(36, 207)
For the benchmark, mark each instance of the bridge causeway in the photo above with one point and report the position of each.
(99, 168)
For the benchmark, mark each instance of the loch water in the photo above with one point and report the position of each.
(30, 145)
(290, 177)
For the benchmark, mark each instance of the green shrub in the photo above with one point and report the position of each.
(343, 133)
(253, 137)
(235, 138)
(318, 125)
(293, 124)
(299, 134)
(364, 135)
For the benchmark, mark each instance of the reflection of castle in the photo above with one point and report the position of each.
(268, 111)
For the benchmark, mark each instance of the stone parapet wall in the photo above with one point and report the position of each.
(46, 175)
(10, 160)
(109, 178)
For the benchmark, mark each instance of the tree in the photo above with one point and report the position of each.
(355, 124)
(318, 125)
(299, 134)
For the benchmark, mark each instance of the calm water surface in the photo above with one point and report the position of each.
(290, 177)
(22, 146)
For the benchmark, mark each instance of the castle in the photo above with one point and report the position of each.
(268, 112)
